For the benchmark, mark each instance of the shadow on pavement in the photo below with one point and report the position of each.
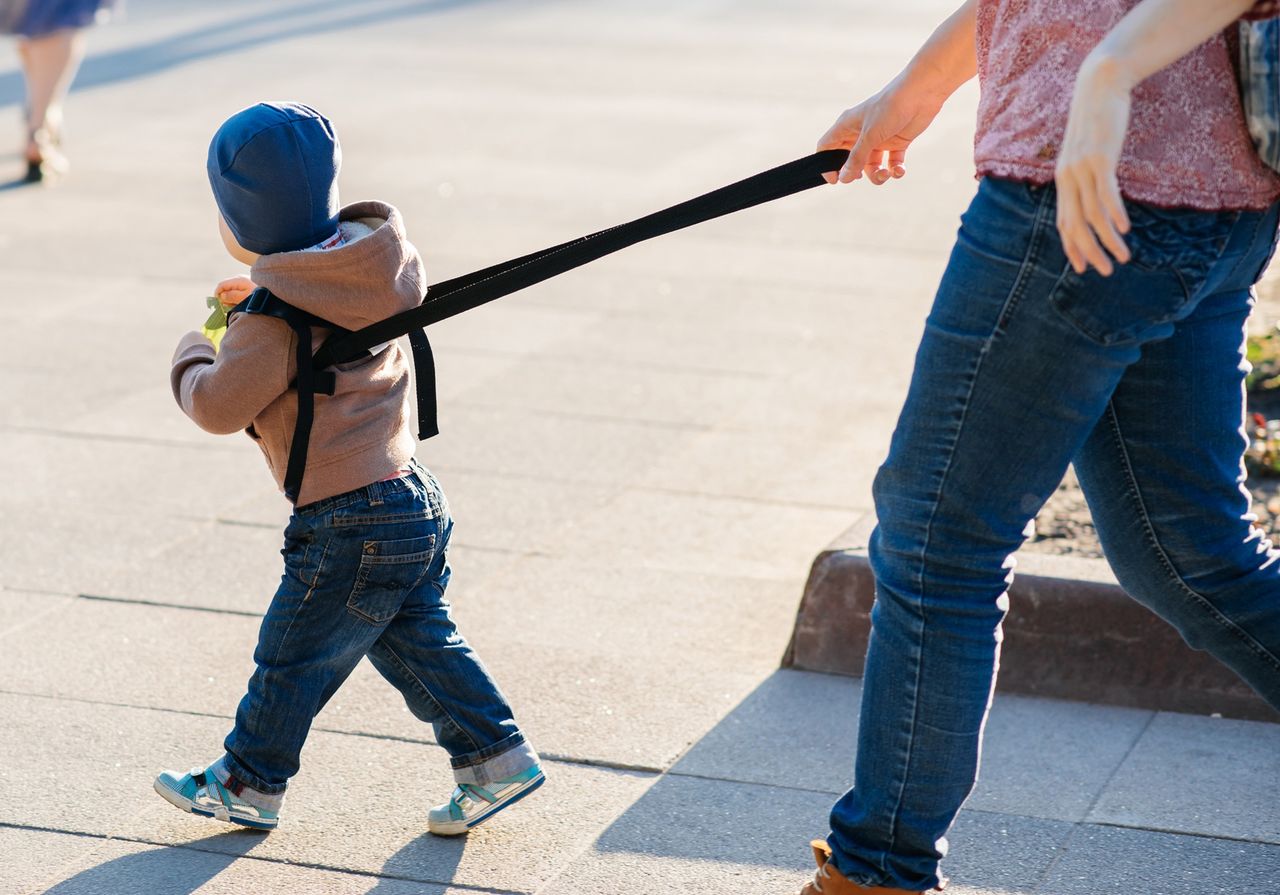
(171, 870)
(234, 36)
(724, 801)
(430, 857)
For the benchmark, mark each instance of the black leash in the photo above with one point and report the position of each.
(453, 297)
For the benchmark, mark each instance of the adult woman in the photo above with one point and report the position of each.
(50, 45)
(1031, 360)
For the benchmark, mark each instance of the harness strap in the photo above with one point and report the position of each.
(424, 373)
(309, 379)
(451, 297)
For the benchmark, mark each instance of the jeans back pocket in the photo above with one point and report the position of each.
(1173, 253)
(388, 572)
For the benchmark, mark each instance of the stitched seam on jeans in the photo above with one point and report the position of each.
(297, 611)
(1169, 568)
(315, 579)
(1019, 285)
(1252, 239)
(426, 691)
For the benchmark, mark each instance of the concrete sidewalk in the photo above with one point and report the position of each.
(642, 457)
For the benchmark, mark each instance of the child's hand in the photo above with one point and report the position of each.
(233, 290)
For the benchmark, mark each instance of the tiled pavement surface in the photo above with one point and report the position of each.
(642, 457)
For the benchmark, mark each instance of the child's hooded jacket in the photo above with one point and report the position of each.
(361, 433)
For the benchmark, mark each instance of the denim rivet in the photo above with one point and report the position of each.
(370, 549)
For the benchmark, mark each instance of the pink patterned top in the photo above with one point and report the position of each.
(1187, 144)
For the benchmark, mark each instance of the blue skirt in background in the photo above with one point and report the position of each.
(36, 18)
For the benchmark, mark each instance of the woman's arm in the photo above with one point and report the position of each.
(888, 122)
(1153, 35)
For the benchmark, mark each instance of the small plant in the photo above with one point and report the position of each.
(1263, 354)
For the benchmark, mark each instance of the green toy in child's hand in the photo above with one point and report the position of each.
(216, 326)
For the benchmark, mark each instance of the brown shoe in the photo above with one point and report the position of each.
(829, 881)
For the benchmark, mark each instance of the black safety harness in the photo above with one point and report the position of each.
(452, 297)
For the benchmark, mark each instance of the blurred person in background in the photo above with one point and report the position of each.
(50, 44)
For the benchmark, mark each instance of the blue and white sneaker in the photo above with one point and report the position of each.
(472, 805)
(200, 793)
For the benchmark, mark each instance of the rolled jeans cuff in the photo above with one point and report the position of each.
(248, 778)
(498, 762)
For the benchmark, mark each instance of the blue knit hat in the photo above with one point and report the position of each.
(274, 172)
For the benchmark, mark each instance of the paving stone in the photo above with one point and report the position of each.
(658, 396)
(592, 703)
(712, 535)
(387, 785)
(1178, 773)
(564, 450)
(50, 550)
(796, 729)
(1060, 771)
(31, 860)
(114, 867)
(694, 620)
(1108, 861)
(784, 467)
(226, 567)
(705, 834)
(776, 736)
(491, 512)
(176, 481)
(526, 444)
(688, 833)
(24, 611)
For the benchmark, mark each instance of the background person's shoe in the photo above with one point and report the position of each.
(829, 881)
(45, 161)
(200, 793)
(472, 805)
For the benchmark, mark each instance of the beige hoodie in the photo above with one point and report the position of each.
(361, 434)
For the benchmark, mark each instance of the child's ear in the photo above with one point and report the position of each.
(237, 251)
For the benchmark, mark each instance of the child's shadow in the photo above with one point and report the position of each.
(162, 870)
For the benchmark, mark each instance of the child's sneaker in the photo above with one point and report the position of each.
(472, 805)
(200, 793)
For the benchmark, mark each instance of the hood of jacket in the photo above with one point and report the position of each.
(376, 274)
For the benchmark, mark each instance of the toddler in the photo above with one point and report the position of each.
(365, 551)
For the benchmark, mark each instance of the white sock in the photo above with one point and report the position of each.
(263, 801)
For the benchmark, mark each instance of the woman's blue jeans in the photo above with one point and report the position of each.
(1025, 367)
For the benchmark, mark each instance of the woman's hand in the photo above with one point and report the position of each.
(1091, 214)
(234, 290)
(878, 131)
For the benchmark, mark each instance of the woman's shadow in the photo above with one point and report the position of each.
(162, 870)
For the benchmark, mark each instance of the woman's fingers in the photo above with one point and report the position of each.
(898, 162)
(880, 127)
(1098, 213)
(1091, 219)
(865, 156)
(875, 169)
(1078, 241)
(1068, 220)
(841, 135)
(1109, 193)
(857, 161)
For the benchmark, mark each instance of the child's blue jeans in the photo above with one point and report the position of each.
(1024, 367)
(365, 574)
